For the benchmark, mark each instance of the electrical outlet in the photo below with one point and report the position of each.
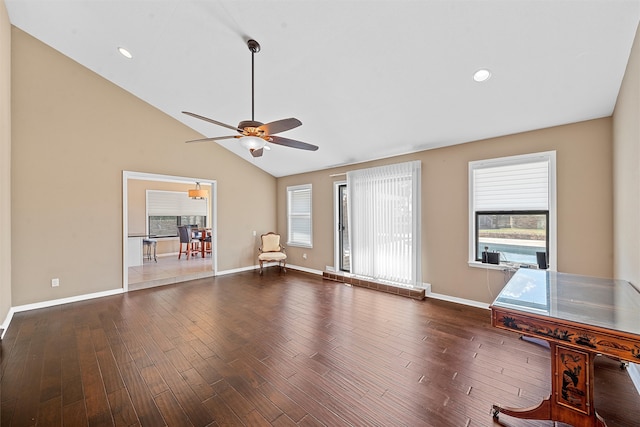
(254, 233)
(304, 256)
(55, 283)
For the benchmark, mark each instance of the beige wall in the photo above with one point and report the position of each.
(626, 179)
(626, 137)
(73, 135)
(584, 187)
(137, 209)
(5, 162)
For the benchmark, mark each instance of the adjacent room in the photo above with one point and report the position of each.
(320, 213)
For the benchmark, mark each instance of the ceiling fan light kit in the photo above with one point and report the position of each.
(254, 135)
(252, 142)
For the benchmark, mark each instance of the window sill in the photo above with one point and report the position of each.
(501, 267)
(299, 245)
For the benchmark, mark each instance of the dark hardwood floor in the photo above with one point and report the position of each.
(276, 350)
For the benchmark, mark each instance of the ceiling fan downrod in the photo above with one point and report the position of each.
(254, 47)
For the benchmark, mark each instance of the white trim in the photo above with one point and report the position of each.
(336, 221)
(268, 264)
(305, 269)
(290, 190)
(7, 322)
(52, 303)
(634, 373)
(426, 287)
(457, 300)
(237, 270)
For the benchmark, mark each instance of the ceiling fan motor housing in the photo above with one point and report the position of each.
(250, 127)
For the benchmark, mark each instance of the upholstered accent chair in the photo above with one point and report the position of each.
(272, 250)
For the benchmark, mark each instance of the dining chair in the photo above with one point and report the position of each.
(186, 238)
(148, 245)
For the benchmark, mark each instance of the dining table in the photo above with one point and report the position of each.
(201, 233)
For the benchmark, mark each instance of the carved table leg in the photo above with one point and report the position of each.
(538, 412)
(571, 399)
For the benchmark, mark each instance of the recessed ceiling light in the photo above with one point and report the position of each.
(482, 75)
(124, 52)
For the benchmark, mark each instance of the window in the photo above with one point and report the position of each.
(167, 226)
(517, 236)
(512, 203)
(166, 210)
(299, 216)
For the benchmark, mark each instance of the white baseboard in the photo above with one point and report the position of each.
(51, 303)
(305, 269)
(457, 300)
(634, 372)
(237, 270)
(268, 264)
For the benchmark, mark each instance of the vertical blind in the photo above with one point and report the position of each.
(512, 187)
(299, 215)
(384, 222)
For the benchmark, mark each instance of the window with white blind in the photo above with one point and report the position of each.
(166, 210)
(299, 224)
(513, 208)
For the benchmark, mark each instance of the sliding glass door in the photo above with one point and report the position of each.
(344, 249)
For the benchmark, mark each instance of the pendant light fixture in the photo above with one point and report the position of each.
(198, 193)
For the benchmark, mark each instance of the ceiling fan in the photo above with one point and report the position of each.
(255, 135)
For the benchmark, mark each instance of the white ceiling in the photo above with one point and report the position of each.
(368, 79)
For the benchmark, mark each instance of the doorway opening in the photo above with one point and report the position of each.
(141, 272)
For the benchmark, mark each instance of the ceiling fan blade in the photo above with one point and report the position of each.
(215, 122)
(257, 153)
(280, 126)
(215, 138)
(292, 143)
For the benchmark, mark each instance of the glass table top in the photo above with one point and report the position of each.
(606, 303)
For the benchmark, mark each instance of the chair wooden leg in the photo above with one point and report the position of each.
(261, 267)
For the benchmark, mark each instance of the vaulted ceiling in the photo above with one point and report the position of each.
(368, 79)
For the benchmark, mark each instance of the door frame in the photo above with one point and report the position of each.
(336, 223)
(213, 214)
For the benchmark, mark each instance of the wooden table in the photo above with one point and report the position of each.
(579, 317)
(204, 233)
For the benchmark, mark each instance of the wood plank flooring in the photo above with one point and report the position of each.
(276, 350)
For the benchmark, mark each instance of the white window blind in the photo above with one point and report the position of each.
(174, 203)
(512, 187)
(299, 215)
